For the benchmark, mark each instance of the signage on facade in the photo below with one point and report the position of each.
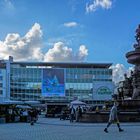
(103, 90)
(53, 82)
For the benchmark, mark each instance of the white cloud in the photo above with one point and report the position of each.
(70, 24)
(105, 4)
(61, 52)
(118, 72)
(82, 53)
(23, 48)
(30, 48)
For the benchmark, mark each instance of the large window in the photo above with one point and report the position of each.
(25, 81)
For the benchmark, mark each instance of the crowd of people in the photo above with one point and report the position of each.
(75, 113)
(72, 113)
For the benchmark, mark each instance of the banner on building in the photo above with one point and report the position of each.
(53, 83)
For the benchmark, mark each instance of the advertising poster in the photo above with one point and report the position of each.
(53, 82)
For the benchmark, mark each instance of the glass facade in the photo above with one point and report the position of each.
(80, 81)
(2, 82)
(26, 81)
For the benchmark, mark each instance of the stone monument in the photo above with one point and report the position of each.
(133, 57)
(127, 88)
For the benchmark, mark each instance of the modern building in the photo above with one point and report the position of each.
(55, 81)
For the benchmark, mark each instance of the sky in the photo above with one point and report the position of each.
(98, 31)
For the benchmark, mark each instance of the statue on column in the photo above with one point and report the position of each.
(137, 36)
(127, 86)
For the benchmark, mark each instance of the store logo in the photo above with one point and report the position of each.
(103, 90)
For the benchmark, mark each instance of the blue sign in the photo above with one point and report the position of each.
(53, 82)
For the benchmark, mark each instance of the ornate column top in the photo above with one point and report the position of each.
(137, 36)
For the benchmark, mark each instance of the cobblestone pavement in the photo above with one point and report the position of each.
(54, 129)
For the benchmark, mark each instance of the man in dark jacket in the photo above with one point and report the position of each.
(32, 114)
(72, 114)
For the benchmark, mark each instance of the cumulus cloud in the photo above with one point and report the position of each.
(70, 24)
(27, 47)
(61, 52)
(82, 53)
(104, 4)
(30, 48)
(118, 72)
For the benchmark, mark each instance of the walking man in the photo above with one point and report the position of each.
(32, 116)
(72, 114)
(113, 118)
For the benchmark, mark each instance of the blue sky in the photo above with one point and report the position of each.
(106, 30)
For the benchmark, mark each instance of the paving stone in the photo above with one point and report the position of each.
(54, 129)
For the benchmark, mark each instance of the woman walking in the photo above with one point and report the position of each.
(113, 118)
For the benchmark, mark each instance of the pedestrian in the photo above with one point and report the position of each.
(113, 118)
(24, 115)
(77, 114)
(80, 112)
(32, 116)
(72, 114)
(36, 112)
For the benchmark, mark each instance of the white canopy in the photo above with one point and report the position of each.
(23, 106)
(77, 102)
